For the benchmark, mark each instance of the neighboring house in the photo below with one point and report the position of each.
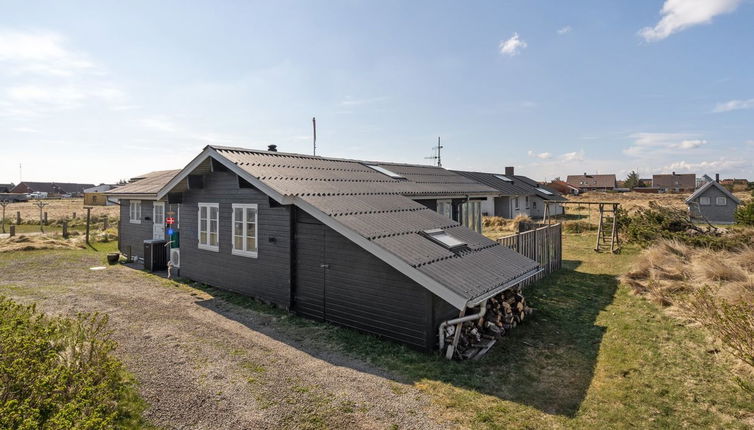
(563, 187)
(674, 182)
(345, 241)
(714, 203)
(592, 182)
(142, 214)
(52, 189)
(5, 188)
(543, 196)
(95, 196)
(735, 184)
(513, 197)
(644, 183)
(101, 188)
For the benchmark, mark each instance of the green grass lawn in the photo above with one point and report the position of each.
(593, 355)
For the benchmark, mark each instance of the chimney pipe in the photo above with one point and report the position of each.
(673, 173)
(272, 148)
(717, 178)
(509, 171)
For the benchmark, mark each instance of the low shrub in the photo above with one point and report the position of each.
(745, 214)
(58, 373)
(578, 226)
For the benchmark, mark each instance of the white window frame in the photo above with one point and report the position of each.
(704, 201)
(447, 204)
(245, 235)
(207, 246)
(722, 199)
(134, 211)
(516, 204)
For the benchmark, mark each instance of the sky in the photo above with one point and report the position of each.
(97, 91)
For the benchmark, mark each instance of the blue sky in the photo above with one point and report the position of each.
(98, 91)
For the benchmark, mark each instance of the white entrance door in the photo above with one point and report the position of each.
(158, 217)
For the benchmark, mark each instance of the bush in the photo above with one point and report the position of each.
(745, 214)
(648, 225)
(58, 373)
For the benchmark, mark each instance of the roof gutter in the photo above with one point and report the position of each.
(528, 275)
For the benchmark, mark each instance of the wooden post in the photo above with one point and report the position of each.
(74, 215)
(65, 229)
(45, 217)
(4, 203)
(18, 217)
(105, 223)
(88, 220)
(12, 230)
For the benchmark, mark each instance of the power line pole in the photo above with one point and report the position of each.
(314, 128)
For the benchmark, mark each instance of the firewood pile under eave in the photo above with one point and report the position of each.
(504, 312)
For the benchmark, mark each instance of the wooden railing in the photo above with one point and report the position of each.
(543, 245)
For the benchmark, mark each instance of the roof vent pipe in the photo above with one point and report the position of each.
(673, 173)
(717, 178)
(272, 148)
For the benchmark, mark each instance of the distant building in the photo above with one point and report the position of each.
(675, 182)
(51, 188)
(5, 188)
(563, 187)
(714, 203)
(101, 188)
(592, 182)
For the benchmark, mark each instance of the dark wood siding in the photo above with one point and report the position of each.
(358, 289)
(267, 277)
(133, 235)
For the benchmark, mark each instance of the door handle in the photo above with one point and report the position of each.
(324, 266)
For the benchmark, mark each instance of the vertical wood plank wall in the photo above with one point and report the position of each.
(543, 245)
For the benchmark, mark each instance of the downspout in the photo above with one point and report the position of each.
(458, 321)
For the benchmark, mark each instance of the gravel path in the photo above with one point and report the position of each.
(204, 363)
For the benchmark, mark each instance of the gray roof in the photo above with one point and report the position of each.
(592, 181)
(147, 184)
(703, 189)
(376, 212)
(55, 187)
(540, 189)
(514, 187)
(675, 180)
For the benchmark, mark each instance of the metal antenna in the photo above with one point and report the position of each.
(314, 128)
(437, 157)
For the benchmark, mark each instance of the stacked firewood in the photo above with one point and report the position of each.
(504, 312)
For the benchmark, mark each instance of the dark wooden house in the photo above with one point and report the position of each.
(350, 242)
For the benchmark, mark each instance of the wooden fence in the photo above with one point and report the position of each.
(543, 245)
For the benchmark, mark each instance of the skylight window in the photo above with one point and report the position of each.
(504, 178)
(443, 238)
(385, 171)
(544, 191)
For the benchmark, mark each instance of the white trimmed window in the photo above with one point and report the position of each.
(245, 230)
(721, 201)
(704, 201)
(445, 207)
(209, 220)
(134, 211)
(515, 201)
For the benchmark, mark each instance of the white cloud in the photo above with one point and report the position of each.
(678, 15)
(512, 46)
(722, 164)
(565, 30)
(40, 52)
(573, 156)
(651, 144)
(541, 155)
(734, 105)
(750, 142)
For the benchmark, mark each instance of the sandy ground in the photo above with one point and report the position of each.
(204, 363)
(632, 201)
(58, 209)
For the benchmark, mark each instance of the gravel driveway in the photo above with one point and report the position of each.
(205, 363)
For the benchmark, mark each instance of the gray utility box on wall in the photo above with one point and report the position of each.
(155, 255)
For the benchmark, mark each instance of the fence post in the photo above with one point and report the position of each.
(45, 218)
(65, 229)
(12, 230)
(18, 217)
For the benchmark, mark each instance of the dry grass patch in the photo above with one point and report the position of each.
(496, 227)
(712, 288)
(32, 243)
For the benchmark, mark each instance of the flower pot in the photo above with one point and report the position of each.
(113, 257)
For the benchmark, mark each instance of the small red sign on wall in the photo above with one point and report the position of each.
(170, 220)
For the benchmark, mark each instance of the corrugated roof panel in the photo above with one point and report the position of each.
(414, 248)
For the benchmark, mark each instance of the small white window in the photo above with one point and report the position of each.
(704, 201)
(527, 202)
(385, 171)
(209, 220)
(443, 238)
(134, 208)
(245, 230)
(515, 202)
(721, 201)
(444, 207)
(504, 178)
